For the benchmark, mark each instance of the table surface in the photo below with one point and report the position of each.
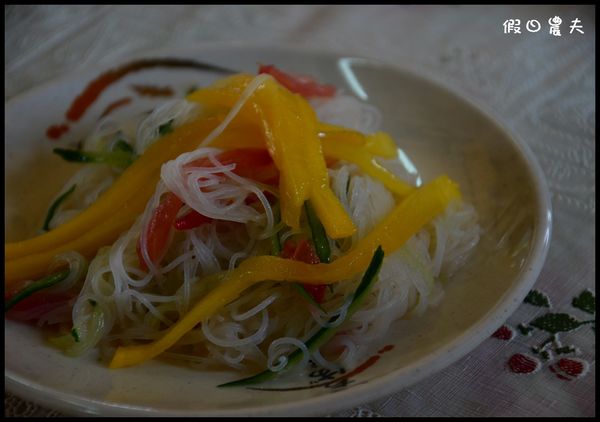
(541, 85)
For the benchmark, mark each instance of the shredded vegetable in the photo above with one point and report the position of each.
(36, 286)
(119, 158)
(402, 223)
(324, 334)
(290, 128)
(243, 226)
(55, 205)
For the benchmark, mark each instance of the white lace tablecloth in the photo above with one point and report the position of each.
(541, 85)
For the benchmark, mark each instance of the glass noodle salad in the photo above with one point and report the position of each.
(260, 223)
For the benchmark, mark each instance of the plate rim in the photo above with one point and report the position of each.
(376, 388)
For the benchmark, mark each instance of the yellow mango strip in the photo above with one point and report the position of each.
(337, 142)
(101, 227)
(331, 213)
(346, 145)
(36, 265)
(367, 163)
(223, 92)
(240, 136)
(382, 145)
(293, 185)
(406, 219)
(118, 198)
(289, 125)
(352, 147)
(378, 143)
(289, 143)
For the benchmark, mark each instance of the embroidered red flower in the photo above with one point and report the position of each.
(504, 333)
(569, 369)
(552, 324)
(523, 364)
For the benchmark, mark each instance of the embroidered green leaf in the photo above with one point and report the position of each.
(586, 302)
(545, 355)
(555, 323)
(564, 350)
(537, 299)
(523, 329)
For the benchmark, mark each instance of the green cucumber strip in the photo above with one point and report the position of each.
(124, 146)
(75, 334)
(275, 244)
(166, 128)
(275, 241)
(319, 236)
(118, 158)
(44, 283)
(72, 344)
(276, 250)
(308, 296)
(54, 206)
(324, 334)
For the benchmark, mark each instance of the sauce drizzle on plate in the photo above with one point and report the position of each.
(93, 90)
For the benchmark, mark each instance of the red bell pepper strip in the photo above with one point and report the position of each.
(303, 85)
(159, 230)
(288, 249)
(304, 252)
(27, 288)
(35, 306)
(251, 163)
(191, 220)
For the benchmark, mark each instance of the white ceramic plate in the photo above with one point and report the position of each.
(441, 133)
